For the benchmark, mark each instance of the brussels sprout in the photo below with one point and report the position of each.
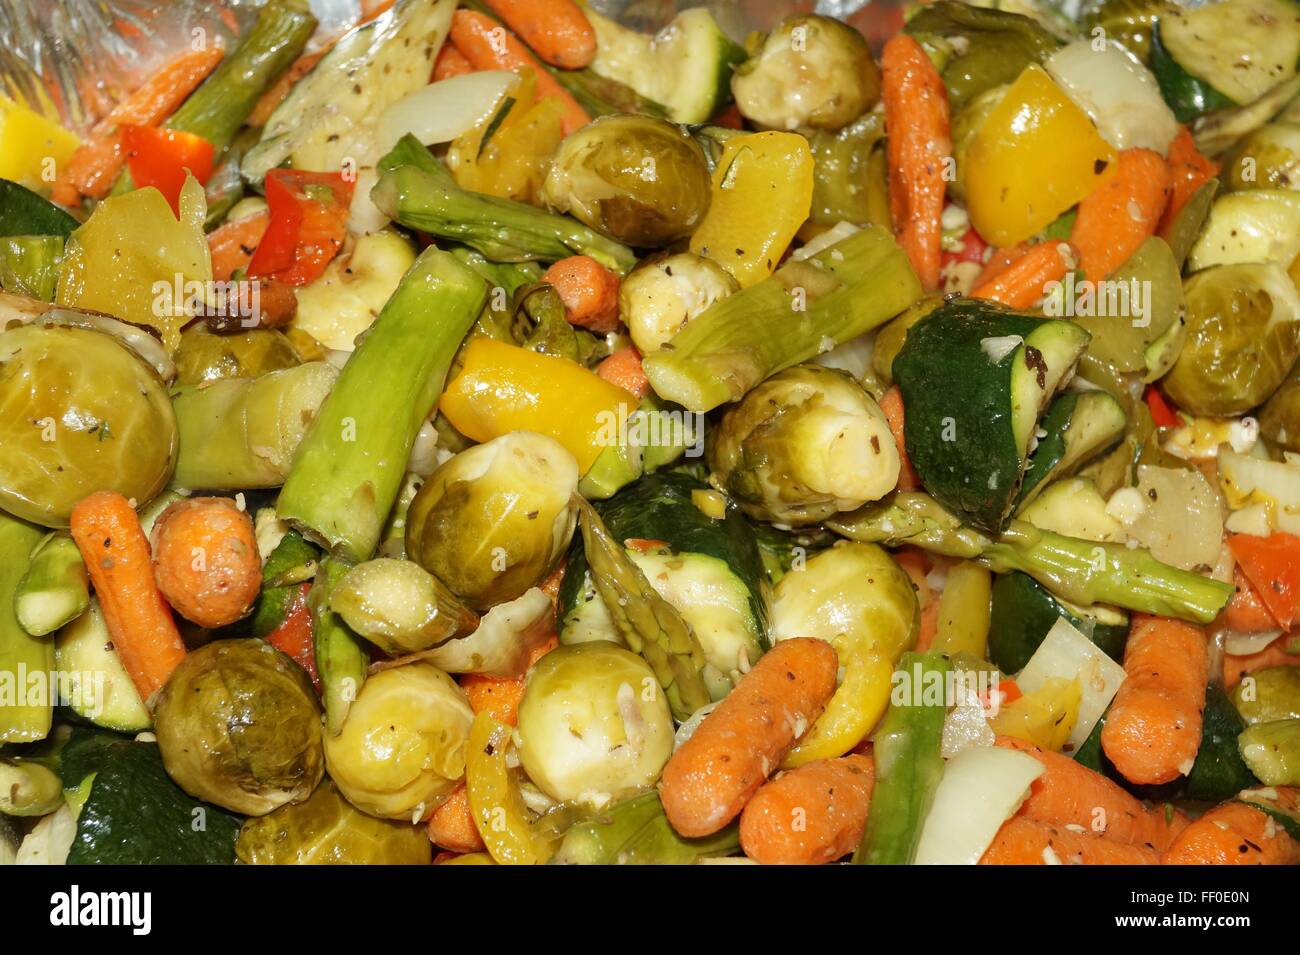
(239, 727)
(1272, 693)
(503, 641)
(664, 293)
(810, 73)
(78, 413)
(1243, 336)
(1279, 419)
(327, 830)
(851, 591)
(402, 747)
(643, 181)
(205, 356)
(803, 445)
(593, 724)
(492, 521)
(1269, 158)
(398, 606)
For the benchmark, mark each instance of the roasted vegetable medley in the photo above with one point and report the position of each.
(506, 434)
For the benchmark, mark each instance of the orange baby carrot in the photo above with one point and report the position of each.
(205, 560)
(811, 815)
(1236, 834)
(623, 368)
(233, 244)
(107, 532)
(589, 292)
(1024, 281)
(1237, 667)
(1246, 611)
(450, 62)
(891, 403)
(1121, 213)
(1023, 841)
(713, 774)
(489, 46)
(500, 696)
(452, 824)
(1188, 171)
(557, 30)
(1153, 729)
(916, 118)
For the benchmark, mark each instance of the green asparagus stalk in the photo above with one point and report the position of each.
(26, 710)
(635, 831)
(340, 656)
(1079, 571)
(54, 590)
(803, 309)
(399, 606)
(651, 625)
(349, 468)
(909, 764)
(241, 433)
(602, 96)
(28, 788)
(424, 196)
(222, 103)
(29, 265)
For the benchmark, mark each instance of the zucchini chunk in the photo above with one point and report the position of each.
(975, 378)
(1022, 611)
(1242, 48)
(99, 688)
(1078, 426)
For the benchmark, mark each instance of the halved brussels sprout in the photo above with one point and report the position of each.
(643, 181)
(593, 724)
(327, 830)
(1279, 419)
(1269, 158)
(1243, 336)
(811, 72)
(239, 726)
(664, 293)
(493, 521)
(402, 747)
(206, 356)
(79, 412)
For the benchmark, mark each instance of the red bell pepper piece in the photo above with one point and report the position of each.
(1162, 413)
(293, 636)
(159, 158)
(309, 217)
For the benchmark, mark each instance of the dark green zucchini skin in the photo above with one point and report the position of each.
(958, 406)
(23, 212)
(1187, 96)
(659, 507)
(1022, 611)
(1219, 771)
(1055, 457)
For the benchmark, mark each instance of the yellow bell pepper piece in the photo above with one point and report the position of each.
(762, 193)
(1034, 156)
(857, 706)
(494, 799)
(963, 625)
(502, 388)
(33, 149)
(1044, 717)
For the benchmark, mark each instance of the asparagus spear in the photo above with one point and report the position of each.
(635, 831)
(54, 589)
(803, 309)
(422, 195)
(340, 657)
(909, 764)
(348, 470)
(26, 710)
(222, 103)
(1082, 572)
(651, 625)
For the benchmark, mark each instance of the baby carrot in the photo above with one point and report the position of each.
(450, 62)
(713, 774)
(623, 368)
(500, 696)
(1025, 281)
(1121, 213)
(1153, 729)
(891, 403)
(811, 815)
(233, 244)
(1071, 794)
(108, 534)
(1236, 834)
(205, 560)
(1188, 171)
(489, 46)
(452, 824)
(589, 292)
(1237, 667)
(1246, 611)
(1023, 841)
(557, 30)
(916, 118)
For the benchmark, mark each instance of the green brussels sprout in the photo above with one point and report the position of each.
(811, 72)
(327, 830)
(643, 181)
(663, 293)
(1272, 751)
(493, 521)
(239, 726)
(205, 356)
(805, 444)
(401, 749)
(79, 412)
(1243, 336)
(399, 606)
(1279, 419)
(851, 592)
(1269, 158)
(594, 724)
(1272, 693)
